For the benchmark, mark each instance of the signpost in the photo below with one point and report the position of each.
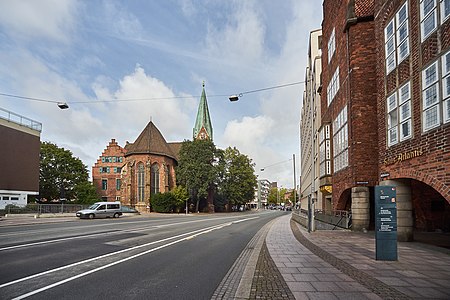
(385, 223)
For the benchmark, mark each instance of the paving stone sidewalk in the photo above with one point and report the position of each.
(307, 275)
(421, 272)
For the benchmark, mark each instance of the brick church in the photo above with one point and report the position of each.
(133, 173)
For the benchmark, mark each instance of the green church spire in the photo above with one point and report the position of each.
(203, 128)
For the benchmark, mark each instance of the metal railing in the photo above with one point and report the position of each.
(333, 219)
(21, 120)
(338, 218)
(44, 208)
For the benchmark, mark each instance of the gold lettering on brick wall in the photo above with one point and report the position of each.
(403, 156)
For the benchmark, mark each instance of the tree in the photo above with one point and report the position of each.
(198, 169)
(181, 195)
(163, 202)
(86, 193)
(272, 198)
(238, 183)
(60, 173)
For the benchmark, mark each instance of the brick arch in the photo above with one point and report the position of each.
(432, 181)
(340, 200)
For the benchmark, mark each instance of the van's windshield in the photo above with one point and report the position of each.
(93, 206)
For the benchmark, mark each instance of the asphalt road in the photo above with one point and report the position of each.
(168, 257)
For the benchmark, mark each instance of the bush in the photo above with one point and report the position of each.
(163, 203)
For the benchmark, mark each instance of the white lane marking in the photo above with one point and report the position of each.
(197, 233)
(192, 234)
(110, 233)
(55, 241)
(48, 230)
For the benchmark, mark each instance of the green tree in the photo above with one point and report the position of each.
(86, 193)
(238, 183)
(164, 202)
(181, 195)
(272, 198)
(60, 173)
(198, 169)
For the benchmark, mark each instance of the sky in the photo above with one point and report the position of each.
(120, 64)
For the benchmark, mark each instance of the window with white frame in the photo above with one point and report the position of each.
(396, 38)
(445, 10)
(333, 86)
(428, 17)
(430, 97)
(399, 115)
(340, 141)
(446, 86)
(436, 102)
(324, 151)
(331, 45)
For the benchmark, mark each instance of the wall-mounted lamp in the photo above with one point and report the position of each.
(63, 105)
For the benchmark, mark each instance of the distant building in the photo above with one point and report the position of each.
(19, 158)
(106, 172)
(314, 149)
(136, 172)
(261, 194)
(149, 168)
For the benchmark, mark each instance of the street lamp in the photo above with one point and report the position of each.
(63, 105)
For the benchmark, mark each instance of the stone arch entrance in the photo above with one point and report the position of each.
(420, 208)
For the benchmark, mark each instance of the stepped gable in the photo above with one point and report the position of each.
(150, 141)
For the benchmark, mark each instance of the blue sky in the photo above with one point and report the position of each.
(93, 53)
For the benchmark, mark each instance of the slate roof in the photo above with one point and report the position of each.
(150, 141)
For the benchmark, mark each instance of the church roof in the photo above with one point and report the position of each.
(150, 141)
(203, 119)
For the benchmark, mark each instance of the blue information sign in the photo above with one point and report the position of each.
(385, 223)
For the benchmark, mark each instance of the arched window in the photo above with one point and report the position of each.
(166, 177)
(141, 182)
(155, 179)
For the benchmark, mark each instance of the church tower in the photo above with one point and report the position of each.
(203, 128)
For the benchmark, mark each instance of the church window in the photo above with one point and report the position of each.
(155, 179)
(166, 177)
(141, 182)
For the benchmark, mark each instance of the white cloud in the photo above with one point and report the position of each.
(30, 20)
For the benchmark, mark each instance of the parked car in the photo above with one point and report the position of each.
(101, 210)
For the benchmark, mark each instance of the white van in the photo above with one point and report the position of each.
(101, 210)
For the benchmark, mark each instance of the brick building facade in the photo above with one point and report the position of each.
(149, 168)
(106, 172)
(386, 95)
(413, 40)
(348, 103)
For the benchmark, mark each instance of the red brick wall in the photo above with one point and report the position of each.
(433, 165)
(356, 56)
(112, 150)
(129, 184)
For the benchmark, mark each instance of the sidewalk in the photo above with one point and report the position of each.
(342, 265)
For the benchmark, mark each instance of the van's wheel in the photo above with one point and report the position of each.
(116, 215)
(91, 216)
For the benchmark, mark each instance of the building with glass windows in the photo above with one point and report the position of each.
(148, 169)
(413, 96)
(385, 102)
(134, 173)
(106, 172)
(348, 108)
